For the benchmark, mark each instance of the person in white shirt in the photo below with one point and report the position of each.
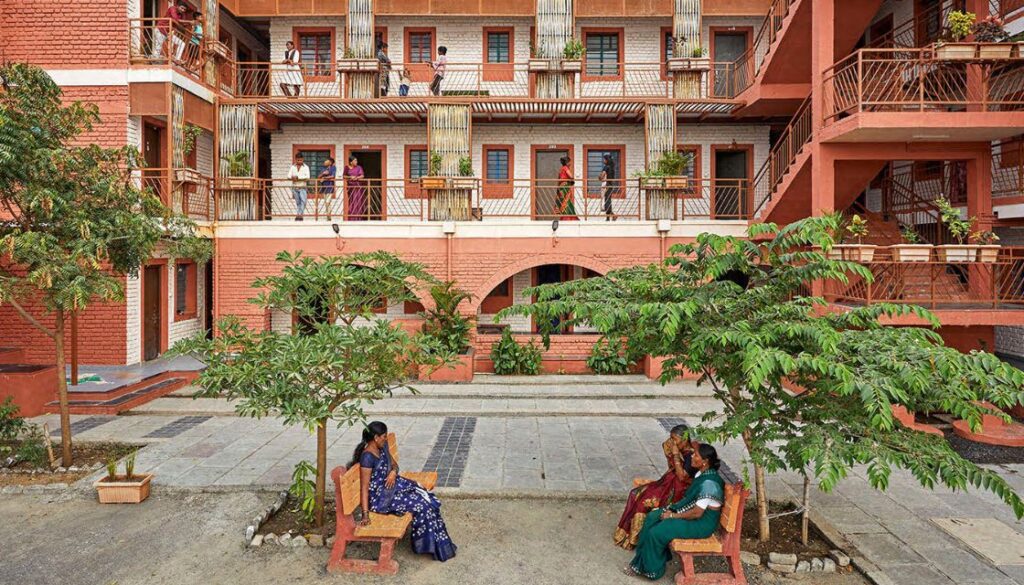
(440, 67)
(299, 175)
(291, 78)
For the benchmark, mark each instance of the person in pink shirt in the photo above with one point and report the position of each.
(439, 68)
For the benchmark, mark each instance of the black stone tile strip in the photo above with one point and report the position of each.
(450, 452)
(178, 426)
(84, 424)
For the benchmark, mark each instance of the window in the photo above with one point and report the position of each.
(497, 171)
(668, 39)
(928, 170)
(184, 291)
(420, 47)
(499, 46)
(1010, 153)
(604, 53)
(498, 299)
(594, 163)
(417, 165)
(692, 170)
(314, 157)
(316, 48)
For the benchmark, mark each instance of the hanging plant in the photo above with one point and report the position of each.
(189, 134)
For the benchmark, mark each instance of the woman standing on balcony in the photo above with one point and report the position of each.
(566, 209)
(356, 190)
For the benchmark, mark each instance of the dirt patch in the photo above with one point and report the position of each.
(785, 534)
(289, 519)
(86, 457)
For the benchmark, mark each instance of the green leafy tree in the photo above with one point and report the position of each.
(736, 311)
(339, 357)
(73, 221)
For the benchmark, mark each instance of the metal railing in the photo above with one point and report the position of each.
(1008, 168)
(462, 80)
(162, 41)
(791, 142)
(916, 80)
(185, 191)
(745, 70)
(475, 200)
(937, 284)
(923, 28)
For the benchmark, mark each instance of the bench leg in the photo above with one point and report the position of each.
(384, 565)
(737, 569)
(387, 565)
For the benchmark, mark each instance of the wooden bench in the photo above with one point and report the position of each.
(724, 543)
(387, 529)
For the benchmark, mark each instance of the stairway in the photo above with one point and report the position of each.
(121, 398)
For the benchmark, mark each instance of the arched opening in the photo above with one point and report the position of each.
(510, 292)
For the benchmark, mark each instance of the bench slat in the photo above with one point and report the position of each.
(385, 526)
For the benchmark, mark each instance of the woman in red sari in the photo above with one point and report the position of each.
(663, 492)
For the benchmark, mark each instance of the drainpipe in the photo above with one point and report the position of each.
(449, 232)
(664, 225)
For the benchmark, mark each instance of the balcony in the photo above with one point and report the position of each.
(907, 94)
(186, 191)
(978, 293)
(161, 42)
(468, 199)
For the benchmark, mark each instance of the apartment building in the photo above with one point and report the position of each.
(782, 109)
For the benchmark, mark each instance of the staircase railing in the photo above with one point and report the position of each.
(915, 31)
(1008, 168)
(792, 141)
(746, 68)
(911, 202)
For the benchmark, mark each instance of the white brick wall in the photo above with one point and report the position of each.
(178, 330)
(133, 305)
(1010, 340)
(520, 282)
(204, 153)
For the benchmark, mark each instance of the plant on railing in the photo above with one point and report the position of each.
(348, 53)
(435, 163)
(698, 52)
(512, 358)
(573, 50)
(990, 30)
(857, 227)
(958, 227)
(466, 167)
(190, 133)
(610, 356)
(443, 323)
(239, 164)
(984, 237)
(910, 236)
(673, 163)
(959, 25)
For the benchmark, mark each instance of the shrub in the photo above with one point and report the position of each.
(443, 323)
(960, 24)
(32, 448)
(609, 357)
(512, 358)
(11, 425)
(574, 49)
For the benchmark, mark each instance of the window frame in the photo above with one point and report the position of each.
(620, 32)
(666, 33)
(331, 31)
(419, 71)
(499, 71)
(697, 190)
(498, 191)
(313, 193)
(412, 186)
(492, 304)
(191, 291)
(621, 191)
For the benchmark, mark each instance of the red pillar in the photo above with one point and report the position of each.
(979, 206)
(823, 198)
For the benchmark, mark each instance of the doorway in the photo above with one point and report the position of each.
(372, 160)
(727, 46)
(553, 274)
(154, 152)
(730, 164)
(547, 163)
(152, 311)
(208, 299)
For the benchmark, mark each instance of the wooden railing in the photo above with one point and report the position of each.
(791, 142)
(159, 41)
(473, 199)
(916, 80)
(185, 191)
(936, 284)
(461, 80)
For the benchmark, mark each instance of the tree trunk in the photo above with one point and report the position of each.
(805, 521)
(62, 393)
(761, 492)
(321, 471)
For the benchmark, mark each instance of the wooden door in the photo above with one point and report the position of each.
(546, 167)
(152, 312)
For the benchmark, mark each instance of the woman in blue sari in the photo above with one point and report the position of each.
(386, 492)
(694, 516)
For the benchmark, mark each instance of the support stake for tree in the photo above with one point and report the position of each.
(74, 348)
(805, 519)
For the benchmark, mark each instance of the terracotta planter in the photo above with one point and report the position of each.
(853, 252)
(218, 49)
(956, 51)
(357, 65)
(463, 182)
(572, 65)
(988, 253)
(238, 183)
(912, 252)
(537, 64)
(188, 176)
(995, 50)
(123, 491)
(461, 371)
(682, 64)
(433, 182)
(652, 182)
(676, 182)
(957, 253)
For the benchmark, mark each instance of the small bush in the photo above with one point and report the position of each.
(11, 425)
(512, 358)
(32, 448)
(609, 357)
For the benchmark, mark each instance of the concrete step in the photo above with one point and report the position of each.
(127, 397)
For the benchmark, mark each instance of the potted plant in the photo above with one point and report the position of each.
(988, 249)
(239, 172)
(448, 330)
(958, 228)
(992, 39)
(349, 63)
(465, 180)
(123, 489)
(189, 134)
(434, 180)
(572, 55)
(857, 227)
(959, 25)
(913, 250)
(696, 60)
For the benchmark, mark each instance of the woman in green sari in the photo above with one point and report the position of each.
(694, 516)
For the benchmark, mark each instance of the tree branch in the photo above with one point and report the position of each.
(32, 320)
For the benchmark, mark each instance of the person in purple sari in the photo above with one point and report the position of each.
(356, 190)
(384, 491)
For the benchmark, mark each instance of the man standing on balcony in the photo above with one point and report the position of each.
(607, 177)
(164, 27)
(292, 76)
(384, 66)
(440, 66)
(299, 175)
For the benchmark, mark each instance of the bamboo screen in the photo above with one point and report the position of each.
(178, 127)
(359, 29)
(555, 26)
(237, 133)
(449, 135)
(686, 24)
(660, 120)
(210, 31)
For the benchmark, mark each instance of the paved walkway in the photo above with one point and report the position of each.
(584, 436)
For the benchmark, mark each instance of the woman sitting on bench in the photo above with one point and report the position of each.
(386, 492)
(695, 516)
(663, 492)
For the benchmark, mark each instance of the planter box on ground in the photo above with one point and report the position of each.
(123, 491)
(461, 371)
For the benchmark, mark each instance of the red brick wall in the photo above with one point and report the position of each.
(567, 354)
(966, 339)
(87, 34)
(112, 129)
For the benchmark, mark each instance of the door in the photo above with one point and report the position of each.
(372, 161)
(153, 149)
(553, 274)
(727, 47)
(547, 164)
(208, 299)
(730, 194)
(152, 312)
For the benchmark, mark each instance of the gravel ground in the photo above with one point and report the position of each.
(197, 539)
